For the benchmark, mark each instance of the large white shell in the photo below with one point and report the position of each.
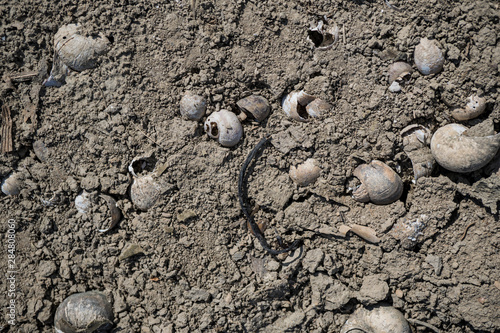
(192, 107)
(84, 313)
(305, 173)
(224, 126)
(299, 106)
(428, 57)
(379, 183)
(379, 319)
(12, 184)
(454, 150)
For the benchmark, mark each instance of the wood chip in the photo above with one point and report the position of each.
(23, 77)
(6, 130)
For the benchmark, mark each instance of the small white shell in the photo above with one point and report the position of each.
(428, 57)
(12, 184)
(305, 173)
(145, 190)
(224, 126)
(82, 202)
(192, 107)
(474, 108)
(300, 106)
(379, 319)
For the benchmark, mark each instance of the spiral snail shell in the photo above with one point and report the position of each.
(379, 183)
(377, 319)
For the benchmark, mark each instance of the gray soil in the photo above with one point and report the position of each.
(189, 264)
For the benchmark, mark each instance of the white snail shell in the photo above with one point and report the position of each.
(82, 202)
(379, 183)
(145, 190)
(299, 106)
(224, 126)
(12, 184)
(456, 151)
(428, 57)
(192, 107)
(475, 107)
(379, 319)
(76, 51)
(305, 173)
(84, 313)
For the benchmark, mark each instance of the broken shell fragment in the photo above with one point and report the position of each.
(84, 313)
(256, 106)
(456, 151)
(300, 106)
(114, 211)
(82, 202)
(398, 71)
(379, 183)
(428, 57)
(192, 107)
(224, 126)
(305, 173)
(474, 108)
(74, 51)
(323, 37)
(376, 319)
(416, 139)
(367, 233)
(12, 184)
(145, 190)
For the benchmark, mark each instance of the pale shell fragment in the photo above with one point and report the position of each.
(192, 107)
(305, 173)
(398, 70)
(428, 57)
(84, 313)
(114, 211)
(82, 202)
(456, 151)
(416, 139)
(299, 106)
(377, 319)
(12, 184)
(145, 190)
(379, 183)
(225, 127)
(475, 107)
(323, 37)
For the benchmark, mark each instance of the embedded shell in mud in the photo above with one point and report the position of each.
(428, 57)
(299, 106)
(192, 107)
(12, 184)
(145, 190)
(475, 107)
(256, 106)
(305, 173)
(456, 151)
(377, 319)
(379, 183)
(224, 126)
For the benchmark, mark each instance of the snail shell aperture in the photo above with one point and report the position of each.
(192, 107)
(428, 57)
(456, 151)
(12, 184)
(224, 126)
(416, 139)
(323, 38)
(305, 173)
(84, 313)
(300, 106)
(475, 107)
(378, 319)
(255, 105)
(379, 183)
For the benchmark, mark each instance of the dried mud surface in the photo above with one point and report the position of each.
(199, 269)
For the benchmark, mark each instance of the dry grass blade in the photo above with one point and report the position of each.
(6, 131)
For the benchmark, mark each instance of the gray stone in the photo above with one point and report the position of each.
(286, 324)
(435, 262)
(46, 268)
(198, 295)
(374, 289)
(312, 260)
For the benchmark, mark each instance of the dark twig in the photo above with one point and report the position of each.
(421, 323)
(242, 195)
(466, 229)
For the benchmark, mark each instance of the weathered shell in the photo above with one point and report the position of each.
(300, 106)
(224, 126)
(416, 139)
(84, 313)
(428, 57)
(398, 70)
(323, 37)
(255, 105)
(145, 190)
(82, 202)
(475, 106)
(12, 184)
(192, 107)
(379, 183)
(305, 173)
(456, 151)
(377, 319)
(76, 51)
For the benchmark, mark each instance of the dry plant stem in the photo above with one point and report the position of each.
(6, 130)
(243, 195)
(466, 229)
(23, 77)
(421, 323)
(391, 6)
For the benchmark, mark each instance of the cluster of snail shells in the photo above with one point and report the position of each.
(84, 313)
(299, 106)
(428, 57)
(416, 140)
(379, 183)
(475, 107)
(456, 150)
(378, 319)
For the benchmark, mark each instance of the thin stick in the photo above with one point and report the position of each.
(467, 229)
(421, 323)
(343, 33)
